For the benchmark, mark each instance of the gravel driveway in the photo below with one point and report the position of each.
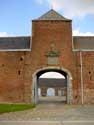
(51, 111)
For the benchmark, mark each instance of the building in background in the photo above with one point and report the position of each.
(51, 48)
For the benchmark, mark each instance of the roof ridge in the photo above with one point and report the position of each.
(50, 11)
(52, 15)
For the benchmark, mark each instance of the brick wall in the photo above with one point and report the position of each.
(88, 76)
(11, 76)
(17, 68)
(59, 32)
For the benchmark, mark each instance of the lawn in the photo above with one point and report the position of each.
(15, 107)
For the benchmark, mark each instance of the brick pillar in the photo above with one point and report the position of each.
(43, 91)
(65, 91)
(56, 91)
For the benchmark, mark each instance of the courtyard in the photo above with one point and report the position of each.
(53, 110)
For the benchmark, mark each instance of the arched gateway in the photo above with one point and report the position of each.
(50, 48)
(63, 71)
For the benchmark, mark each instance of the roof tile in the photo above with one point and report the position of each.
(52, 15)
(81, 42)
(7, 43)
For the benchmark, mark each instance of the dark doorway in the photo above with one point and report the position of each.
(52, 87)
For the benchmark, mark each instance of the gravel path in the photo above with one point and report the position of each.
(52, 109)
(52, 112)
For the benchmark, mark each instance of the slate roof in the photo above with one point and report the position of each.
(14, 43)
(23, 43)
(52, 15)
(83, 42)
(52, 82)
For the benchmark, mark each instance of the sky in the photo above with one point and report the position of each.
(16, 15)
(52, 75)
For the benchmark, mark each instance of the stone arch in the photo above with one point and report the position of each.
(57, 69)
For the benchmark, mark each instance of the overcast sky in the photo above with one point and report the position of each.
(52, 75)
(16, 15)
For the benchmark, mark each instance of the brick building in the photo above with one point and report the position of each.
(50, 48)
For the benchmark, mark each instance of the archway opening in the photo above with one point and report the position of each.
(51, 86)
(50, 92)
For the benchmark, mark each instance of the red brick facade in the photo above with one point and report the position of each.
(17, 68)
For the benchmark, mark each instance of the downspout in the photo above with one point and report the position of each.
(82, 85)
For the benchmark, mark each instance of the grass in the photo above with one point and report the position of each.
(15, 107)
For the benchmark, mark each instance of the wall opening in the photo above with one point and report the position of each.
(19, 72)
(51, 83)
(39, 92)
(50, 92)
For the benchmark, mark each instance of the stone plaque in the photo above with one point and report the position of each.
(52, 60)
